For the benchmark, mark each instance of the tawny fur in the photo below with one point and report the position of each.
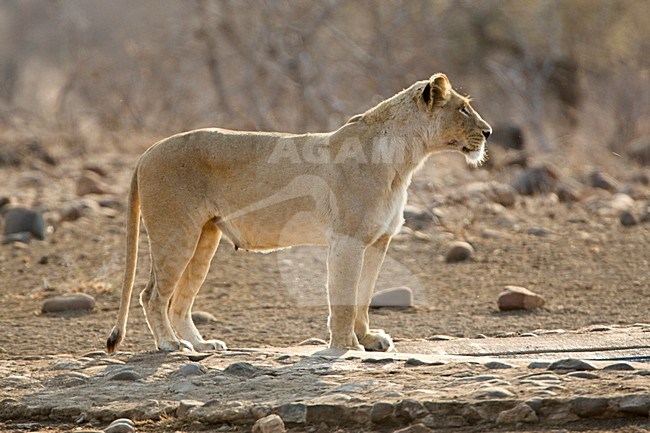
(264, 191)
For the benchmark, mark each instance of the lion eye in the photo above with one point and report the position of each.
(465, 111)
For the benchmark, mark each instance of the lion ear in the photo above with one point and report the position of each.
(437, 90)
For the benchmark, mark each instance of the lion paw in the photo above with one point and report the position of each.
(210, 346)
(376, 340)
(176, 345)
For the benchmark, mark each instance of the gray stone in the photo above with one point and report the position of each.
(22, 237)
(185, 406)
(627, 219)
(120, 427)
(330, 414)
(504, 194)
(418, 219)
(415, 362)
(598, 179)
(126, 375)
(495, 365)
(538, 231)
(244, 369)
(440, 337)
(202, 317)
(269, 424)
(394, 297)
(123, 421)
(382, 412)
(635, 404)
(571, 364)
(522, 413)
(71, 212)
(583, 375)
(68, 302)
(415, 428)
(458, 251)
(313, 342)
(18, 219)
(495, 393)
(534, 180)
(382, 360)
(293, 413)
(588, 407)
(91, 183)
(190, 369)
(519, 298)
(410, 409)
(619, 366)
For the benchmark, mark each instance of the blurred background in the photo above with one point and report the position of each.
(85, 76)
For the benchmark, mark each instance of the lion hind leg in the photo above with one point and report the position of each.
(188, 287)
(169, 258)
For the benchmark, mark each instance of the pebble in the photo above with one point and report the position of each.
(269, 424)
(394, 297)
(496, 365)
(504, 194)
(91, 183)
(627, 219)
(495, 393)
(440, 337)
(458, 251)
(535, 180)
(415, 362)
(294, 413)
(519, 298)
(378, 360)
(71, 212)
(568, 193)
(119, 428)
(583, 375)
(415, 428)
(126, 375)
(586, 407)
(538, 231)
(381, 412)
(635, 404)
(202, 317)
(571, 364)
(243, 369)
(68, 302)
(418, 219)
(18, 219)
(313, 342)
(190, 369)
(619, 366)
(522, 413)
(184, 406)
(598, 179)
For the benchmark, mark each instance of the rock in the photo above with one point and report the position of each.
(621, 202)
(411, 409)
(313, 342)
(635, 404)
(95, 168)
(418, 219)
(522, 413)
(71, 213)
(395, 297)
(571, 364)
(19, 220)
(440, 337)
(495, 393)
(639, 150)
(190, 369)
(22, 237)
(496, 365)
(382, 412)
(293, 413)
(415, 362)
(538, 231)
(539, 364)
(598, 179)
(504, 194)
(386, 360)
(68, 302)
(458, 251)
(583, 375)
(627, 219)
(568, 193)
(122, 425)
(91, 183)
(126, 375)
(587, 407)
(202, 317)
(4, 201)
(619, 366)
(535, 180)
(519, 298)
(269, 424)
(243, 369)
(415, 428)
(185, 406)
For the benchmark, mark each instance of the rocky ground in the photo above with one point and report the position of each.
(577, 236)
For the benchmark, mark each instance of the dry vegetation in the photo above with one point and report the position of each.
(94, 74)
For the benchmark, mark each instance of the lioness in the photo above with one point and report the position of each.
(266, 191)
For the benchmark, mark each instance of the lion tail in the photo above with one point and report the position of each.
(132, 232)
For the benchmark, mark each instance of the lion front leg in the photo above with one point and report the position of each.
(344, 264)
(371, 339)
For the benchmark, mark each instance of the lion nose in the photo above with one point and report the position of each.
(486, 133)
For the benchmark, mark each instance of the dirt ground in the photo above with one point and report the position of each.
(588, 266)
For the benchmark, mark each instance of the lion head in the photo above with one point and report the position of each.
(458, 126)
